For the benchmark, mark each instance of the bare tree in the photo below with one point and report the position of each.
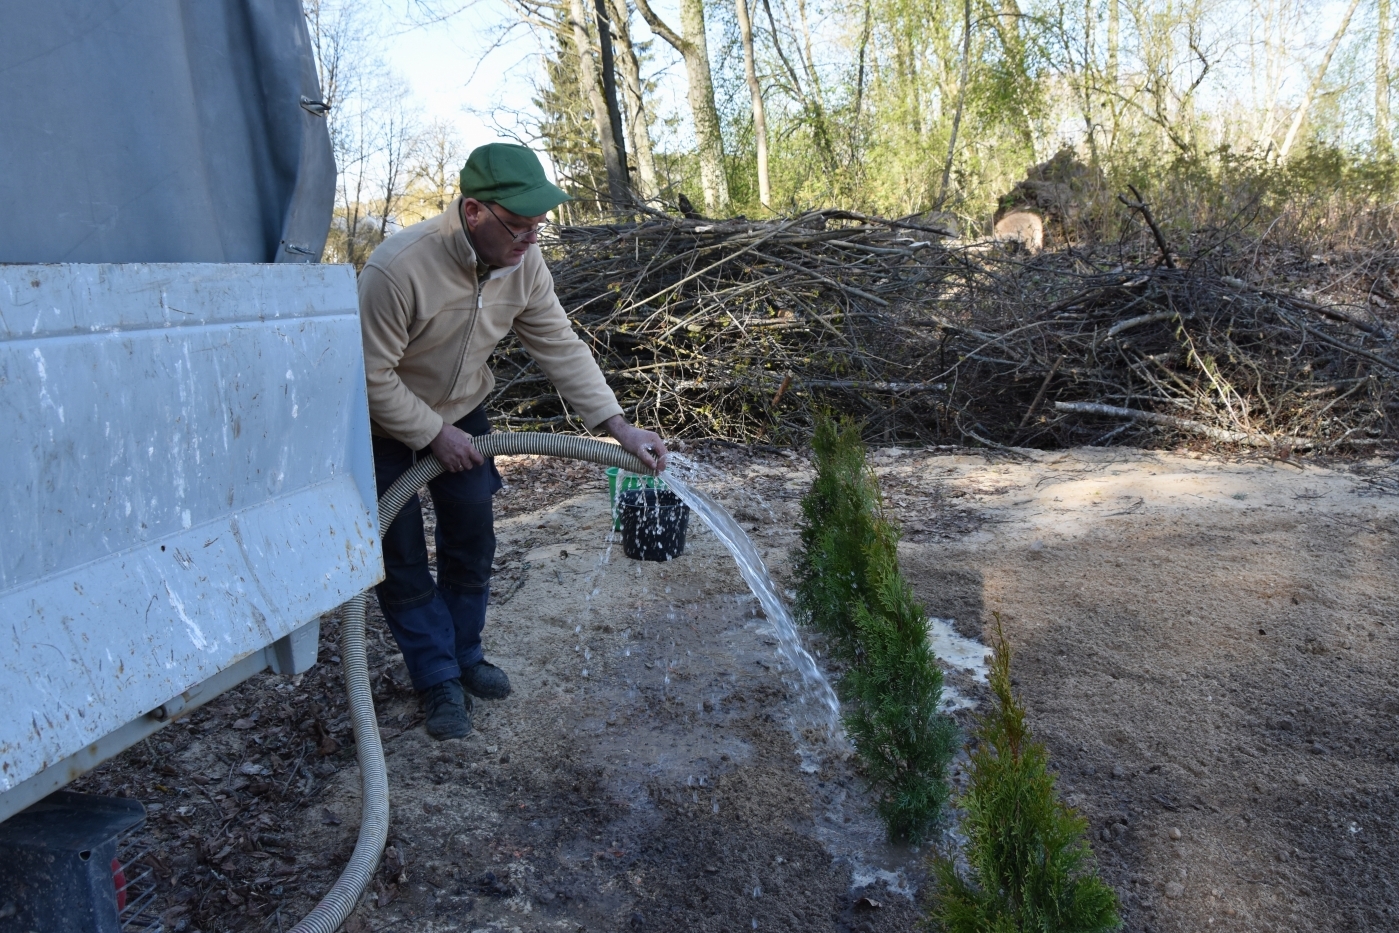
(1112, 77)
(808, 98)
(373, 129)
(1315, 84)
(437, 166)
(1114, 40)
(634, 96)
(398, 139)
(694, 50)
(336, 40)
(1276, 20)
(961, 100)
(333, 42)
(1178, 51)
(354, 142)
(755, 91)
(1384, 144)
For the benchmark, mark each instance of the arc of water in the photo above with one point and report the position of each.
(755, 574)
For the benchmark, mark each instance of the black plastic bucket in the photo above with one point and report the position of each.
(653, 523)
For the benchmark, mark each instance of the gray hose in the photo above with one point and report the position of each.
(340, 900)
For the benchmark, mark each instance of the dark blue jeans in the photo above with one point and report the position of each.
(438, 625)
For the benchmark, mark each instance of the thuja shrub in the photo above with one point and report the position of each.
(851, 589)
(837, 532)
(891, 695)
(1029, 867)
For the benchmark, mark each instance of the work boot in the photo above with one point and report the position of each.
(483, 679)
(448, 710)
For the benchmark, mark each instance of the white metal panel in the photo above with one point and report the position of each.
(188, 479)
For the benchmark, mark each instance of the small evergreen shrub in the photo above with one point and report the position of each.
(837, 532)
(892, 695)
(850, 588)
(1030, 867)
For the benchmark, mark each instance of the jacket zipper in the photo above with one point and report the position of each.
(465, 346)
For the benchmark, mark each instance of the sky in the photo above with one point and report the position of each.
(478, 67)
(458, 76)
(473, 69)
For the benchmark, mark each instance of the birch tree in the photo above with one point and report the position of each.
(1315, 85)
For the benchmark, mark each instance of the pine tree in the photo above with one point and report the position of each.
(892, 697)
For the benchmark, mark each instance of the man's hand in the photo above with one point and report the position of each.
(452, 446)
(646, 446)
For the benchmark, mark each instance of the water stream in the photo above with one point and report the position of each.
(845, 825)
(813, 690)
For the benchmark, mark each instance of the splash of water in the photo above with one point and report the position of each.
(816, 690)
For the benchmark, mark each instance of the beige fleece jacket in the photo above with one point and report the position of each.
(429, 329)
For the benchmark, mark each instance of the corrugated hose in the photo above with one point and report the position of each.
(344, 895)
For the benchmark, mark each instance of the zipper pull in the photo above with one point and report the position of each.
(478, 297)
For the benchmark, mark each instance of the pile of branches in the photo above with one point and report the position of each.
(748, 330)
(742, 330)
(1157, 353)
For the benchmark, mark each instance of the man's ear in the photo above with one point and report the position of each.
(471, 211)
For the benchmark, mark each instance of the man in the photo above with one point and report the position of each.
(435, 299)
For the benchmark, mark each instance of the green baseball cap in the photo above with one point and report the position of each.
(512, 177)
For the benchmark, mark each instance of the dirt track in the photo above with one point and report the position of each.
(1206, 647)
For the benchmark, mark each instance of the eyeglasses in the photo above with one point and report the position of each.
(517, 236)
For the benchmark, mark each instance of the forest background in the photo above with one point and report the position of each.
(890, 107)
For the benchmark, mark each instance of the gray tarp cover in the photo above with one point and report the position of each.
(160, 131)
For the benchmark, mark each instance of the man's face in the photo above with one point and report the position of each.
(502, 237)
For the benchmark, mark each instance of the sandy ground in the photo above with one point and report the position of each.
(644, 775)
(1206, 647)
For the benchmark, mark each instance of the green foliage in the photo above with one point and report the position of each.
(861, 103)
(892, 698)
(838, 530)
(850, 588)
(1030, 864)
(1322, 198)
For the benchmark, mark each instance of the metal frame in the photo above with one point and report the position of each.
(287, 655)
